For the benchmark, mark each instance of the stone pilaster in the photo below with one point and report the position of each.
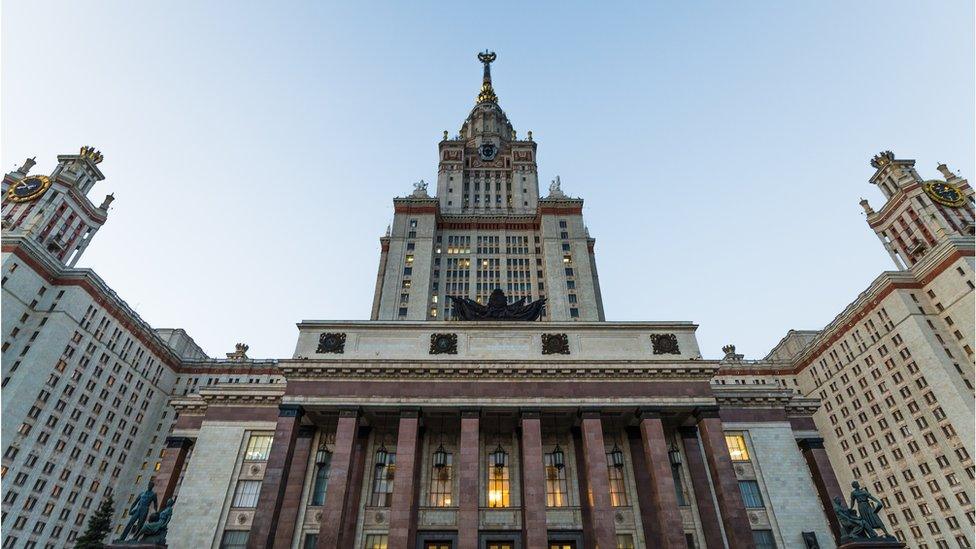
(266, 515)
(726, 485)
(469, 479)
(695, 461)
(662, 490)
(823, 478)
(288, 518)
(533, 483)
(174, 456)
(406, 483)
(604, 533)
(331, 531)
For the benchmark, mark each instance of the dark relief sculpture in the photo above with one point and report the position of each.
(861, 520)
(332, 343)
(443, 344)
(555, 344)
(497, 308)
(665, 344)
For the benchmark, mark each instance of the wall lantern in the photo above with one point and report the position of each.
(558, 457)
(440, 457)
(674, 456)
(323, 455)
(617, 456)
(498, 457)
(381, 456)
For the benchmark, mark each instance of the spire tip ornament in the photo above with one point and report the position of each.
(487, 94)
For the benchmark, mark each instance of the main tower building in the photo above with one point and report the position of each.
(486, 228)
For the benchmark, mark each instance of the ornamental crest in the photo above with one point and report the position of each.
(555, 344)
(665, 344)
(332, 343)
(443, 344)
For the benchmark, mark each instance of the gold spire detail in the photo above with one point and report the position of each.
(487, 94)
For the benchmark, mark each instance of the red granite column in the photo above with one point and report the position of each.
(724, 482)
(174, 456)
(695, 461)
(340, 481)
(275, 478)
(288, 518)
(403, 507)
(355, 487)
(597, 482)
(533, 483)
(655, 447)
(823, 478)
(642, 479)
(469, 479)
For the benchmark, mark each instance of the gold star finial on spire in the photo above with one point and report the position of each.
(487, 94)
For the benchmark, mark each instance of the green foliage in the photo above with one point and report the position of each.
(99, 526)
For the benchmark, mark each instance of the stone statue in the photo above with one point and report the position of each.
(420, 189)
(497, 308)
(154, 530)
(140, 511)
(868, 507)
(555, 188)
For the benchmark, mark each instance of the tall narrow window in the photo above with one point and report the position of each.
(737, 447)
(247, 493)
(555, 483)
(321, 479)
(442, 482)
(618, 487)
(234, 539)
(764, 539)
(383, 483)
(375, 541)
(498, 483)
(751, 496)
(678, 489)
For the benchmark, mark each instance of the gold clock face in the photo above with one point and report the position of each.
(944, 193)
(28, 188)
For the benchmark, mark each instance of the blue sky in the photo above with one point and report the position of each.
(254, 148)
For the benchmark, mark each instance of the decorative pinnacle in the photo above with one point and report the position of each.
(487, 94)
(91, 154)
(882, 159)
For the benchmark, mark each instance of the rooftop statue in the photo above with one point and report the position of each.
(860, 521)
(497, 308)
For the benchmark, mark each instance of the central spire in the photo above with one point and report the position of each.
(487, 94)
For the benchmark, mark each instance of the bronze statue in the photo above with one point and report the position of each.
(497, 308)
(859, 521)
(139, 511)
(154, 530)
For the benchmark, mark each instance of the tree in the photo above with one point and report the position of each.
(99, 526)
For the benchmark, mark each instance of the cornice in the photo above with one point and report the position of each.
(453, 325)
(349, 369)
(192, 405)
(240, 394)
(745, 396)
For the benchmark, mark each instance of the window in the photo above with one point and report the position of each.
(247, 493)
(234, 539)
(625, 541)
(750, 494)
(442, 482)
(310, 541)
(618, 487)
(383, 483)
(764, 539)
(555, 483)
(737, 447)
(321, 480)
(375, 541)
(499, 483)
(258, 448)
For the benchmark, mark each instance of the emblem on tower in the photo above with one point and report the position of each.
(487, 94)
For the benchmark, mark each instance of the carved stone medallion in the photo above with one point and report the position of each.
(665, 344)
(332, 343)
(443, 344)
(555, 344)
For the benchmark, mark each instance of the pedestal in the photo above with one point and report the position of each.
(873, 544)
(134, 545)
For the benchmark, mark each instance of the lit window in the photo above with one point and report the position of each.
(555, 483)
(737, 447)
(258, 447)
(375, 541)
(625, 541)
(441, 482)
(498, 484)
(567, 259)
(618, 487)
(247, 493)
(409, 259)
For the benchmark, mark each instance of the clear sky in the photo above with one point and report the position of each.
(721, 147)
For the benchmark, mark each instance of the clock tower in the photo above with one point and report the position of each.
(54, 210)
(918, 214)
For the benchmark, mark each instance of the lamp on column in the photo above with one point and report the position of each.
(674, 456)
(323, 454)
(616, 455)
(440, 455)
(498, 456)
(558, 457)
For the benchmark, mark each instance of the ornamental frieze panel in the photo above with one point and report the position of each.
(665, 344)
(332, 343)
(443, 344)
(555, 344)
